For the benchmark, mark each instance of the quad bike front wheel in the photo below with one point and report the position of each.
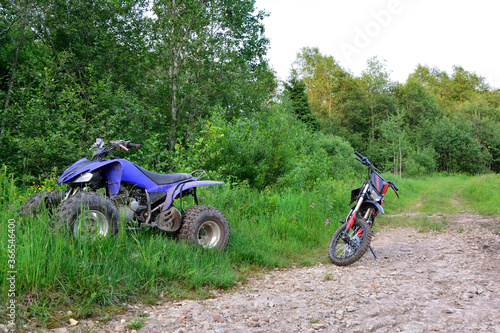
(87, 216)
(205, 226)
(48, 200)
(347, 247)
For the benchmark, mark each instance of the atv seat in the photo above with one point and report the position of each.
(161, 179)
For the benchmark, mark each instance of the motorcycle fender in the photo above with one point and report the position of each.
(376, 204)
(175, 190)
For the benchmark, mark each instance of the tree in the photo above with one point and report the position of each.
(466, 85)
(377, 88)
(457, 148)
(420, 104)
(296, 90)
(204, 50)
(393, 142)
(325, 81)
(63, 76)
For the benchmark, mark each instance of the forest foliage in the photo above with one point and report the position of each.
(191, 82)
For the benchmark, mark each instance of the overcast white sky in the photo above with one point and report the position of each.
(437, 33)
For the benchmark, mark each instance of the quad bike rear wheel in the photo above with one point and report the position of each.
(205, 226)
(88, 215)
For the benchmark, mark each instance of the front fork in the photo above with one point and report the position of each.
(355, 211)
(353, 216)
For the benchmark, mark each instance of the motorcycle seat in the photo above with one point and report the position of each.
(163, 179)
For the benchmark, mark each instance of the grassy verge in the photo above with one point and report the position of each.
(56, 274)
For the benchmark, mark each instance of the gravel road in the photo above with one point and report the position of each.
(445, 281)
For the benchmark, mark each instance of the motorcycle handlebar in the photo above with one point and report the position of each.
(393, 185)
(363, 159)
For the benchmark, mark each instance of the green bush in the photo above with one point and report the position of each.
(420, 162)
(273, 147)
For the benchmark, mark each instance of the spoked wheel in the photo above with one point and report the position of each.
(347, 247)
(87, 216)
(205, 226)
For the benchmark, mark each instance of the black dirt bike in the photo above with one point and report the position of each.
(353, 238)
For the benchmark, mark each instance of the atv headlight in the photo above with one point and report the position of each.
(84, 178)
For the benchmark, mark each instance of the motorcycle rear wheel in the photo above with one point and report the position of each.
(348, 247)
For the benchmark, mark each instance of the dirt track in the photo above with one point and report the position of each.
(422, 282)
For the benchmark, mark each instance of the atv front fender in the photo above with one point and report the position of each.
(111, 170)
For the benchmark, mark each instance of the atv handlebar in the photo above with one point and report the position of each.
(124, 144)
(129, 144)
(102, 151)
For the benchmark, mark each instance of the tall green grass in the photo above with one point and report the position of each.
(482, 193)
(268, 229)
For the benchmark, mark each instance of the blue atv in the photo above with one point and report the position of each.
(133, 195)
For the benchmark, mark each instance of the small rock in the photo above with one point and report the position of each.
(60, 330)
(472, 290)
(436, 328)
(73, 322)
(318, 326)
(218, 318)
(466, 296)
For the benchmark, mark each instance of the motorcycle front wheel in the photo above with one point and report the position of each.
(347, 247)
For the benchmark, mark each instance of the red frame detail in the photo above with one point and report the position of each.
(384, 189)
(351, 221)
